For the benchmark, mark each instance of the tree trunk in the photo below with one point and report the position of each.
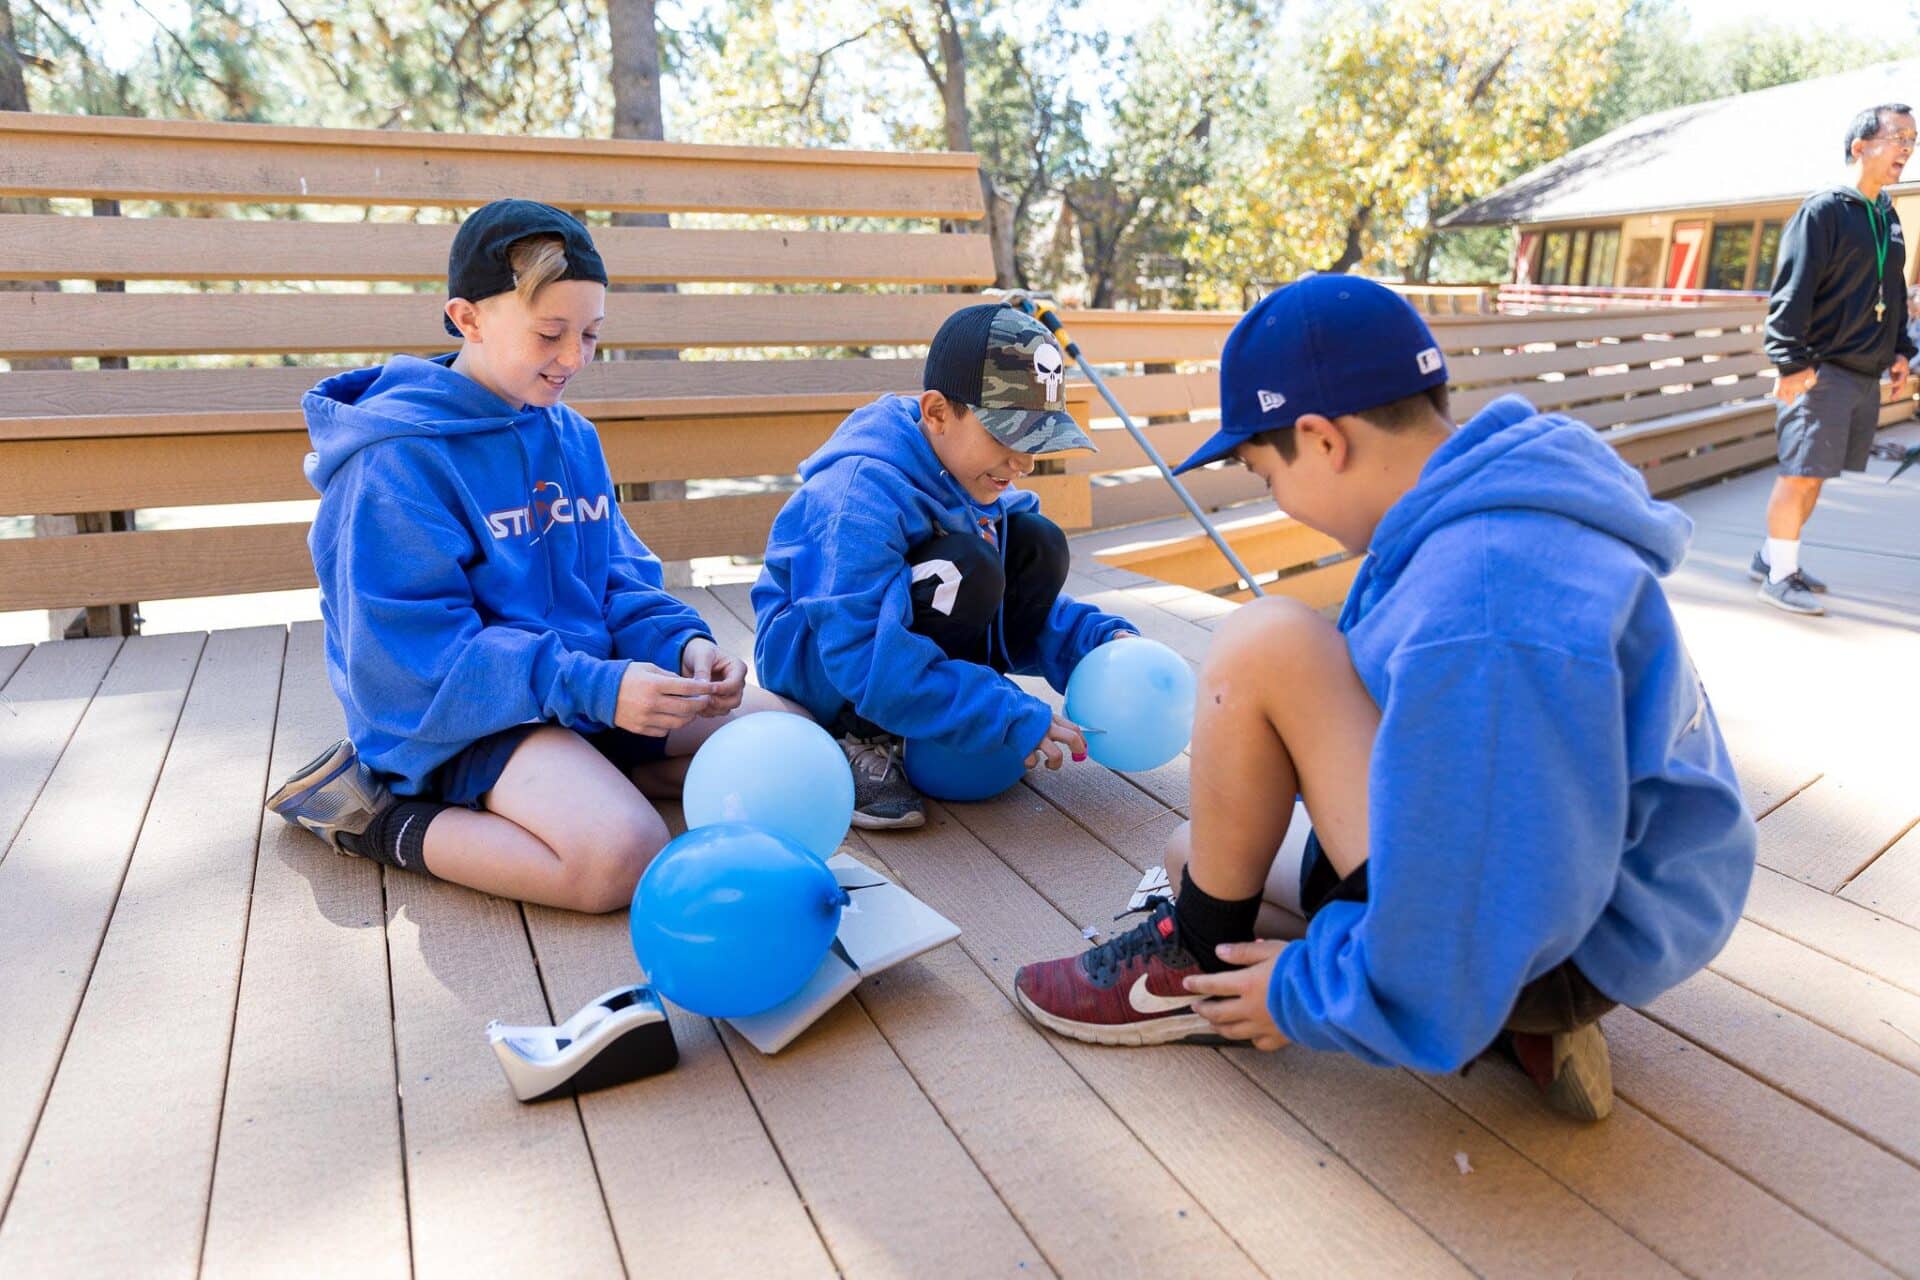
(952, 84)
(1355, 248)
(637, 113)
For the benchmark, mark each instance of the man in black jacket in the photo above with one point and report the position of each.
(1836, 322)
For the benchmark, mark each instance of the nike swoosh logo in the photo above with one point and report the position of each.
(1144, 1001)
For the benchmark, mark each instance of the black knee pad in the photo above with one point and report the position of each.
(1037, 547)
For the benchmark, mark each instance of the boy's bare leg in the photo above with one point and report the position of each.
(1280, 711)
(561, 827)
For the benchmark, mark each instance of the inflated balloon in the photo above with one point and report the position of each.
(732, 919)
(775, 770)
(945, 773)
(1134, 698)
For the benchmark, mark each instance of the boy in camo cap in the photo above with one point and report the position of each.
(908, 576)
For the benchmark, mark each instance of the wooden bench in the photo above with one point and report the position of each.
(286, 273)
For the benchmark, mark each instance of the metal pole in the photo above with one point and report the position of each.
(1045, 313)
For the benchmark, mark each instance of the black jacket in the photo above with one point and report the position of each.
(1821, 310)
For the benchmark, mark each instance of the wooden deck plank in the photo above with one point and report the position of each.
(1042, 1137)
(1847, 1084)
(1852, 934)
(683, 1160)
(1857, 1190)
(1866, 1010)
(11, 656)
(308, 1178)
(1652, 1181)
(145, 1031)
(889, 1184)
(1292, 1204)
(45, 697)
(1891, 882)
(1829, 832)
(61, 878)
(493, 1185)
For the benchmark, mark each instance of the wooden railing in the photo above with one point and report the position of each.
(1521, 298)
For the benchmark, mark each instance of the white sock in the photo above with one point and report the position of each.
(1783, 558)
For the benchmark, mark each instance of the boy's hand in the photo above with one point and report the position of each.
(1121, 635)
(655, 702)
(1238, 1007)
(702, 659)
(1063, 735)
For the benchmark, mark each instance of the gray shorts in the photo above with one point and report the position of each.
(1829, 428)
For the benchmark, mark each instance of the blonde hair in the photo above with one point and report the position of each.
(536, 262)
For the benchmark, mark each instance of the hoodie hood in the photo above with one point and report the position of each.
(1509, 458)
(889, 430)
(405, 397)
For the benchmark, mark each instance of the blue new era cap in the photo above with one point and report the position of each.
(1329, 344)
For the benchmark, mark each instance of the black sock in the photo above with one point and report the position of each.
(1205, 922)
(397, 836)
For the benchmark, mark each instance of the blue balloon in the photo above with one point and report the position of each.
(1134, 697)
(941, 771)
(775, 770)
(732, 919)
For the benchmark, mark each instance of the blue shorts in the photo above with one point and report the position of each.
(472, 772)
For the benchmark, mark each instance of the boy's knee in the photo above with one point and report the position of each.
(957, 582)
(602, 871)
(1276, 632)
(1038, 546)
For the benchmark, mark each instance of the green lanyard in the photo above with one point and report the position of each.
(1882, 242)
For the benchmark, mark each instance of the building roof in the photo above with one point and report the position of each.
(1770, 145)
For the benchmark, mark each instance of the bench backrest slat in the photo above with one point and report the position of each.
(52, 247)
(133, 159)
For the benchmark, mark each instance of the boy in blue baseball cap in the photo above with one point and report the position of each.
(1522, 808)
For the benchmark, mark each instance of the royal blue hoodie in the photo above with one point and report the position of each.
(475, 572)
(833, 603)
(1549, 780)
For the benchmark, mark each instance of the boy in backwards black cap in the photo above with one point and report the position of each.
(513, 674)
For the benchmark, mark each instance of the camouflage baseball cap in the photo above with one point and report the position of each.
(1005, 365)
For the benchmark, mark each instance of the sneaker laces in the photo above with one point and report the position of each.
(1798, 579)
(1105, 962)
(874, 758)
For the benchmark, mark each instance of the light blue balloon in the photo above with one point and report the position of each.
(775, 770)
(1139, 695)
(941, 771)
(731, 919)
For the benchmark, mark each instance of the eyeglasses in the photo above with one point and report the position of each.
(1900, 139)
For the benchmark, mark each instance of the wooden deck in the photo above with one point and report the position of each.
(224, 1050)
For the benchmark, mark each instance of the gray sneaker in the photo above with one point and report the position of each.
(1759, 571)
(883, 799)
(334, 795)
(1791, 594)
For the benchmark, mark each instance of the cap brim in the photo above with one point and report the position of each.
(1217, 446)
(1034, 430)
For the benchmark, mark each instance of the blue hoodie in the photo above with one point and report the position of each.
(1549, 780)
(833, 603)
(475, 572)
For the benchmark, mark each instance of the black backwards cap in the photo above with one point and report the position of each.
(478, 267)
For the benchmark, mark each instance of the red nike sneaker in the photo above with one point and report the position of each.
(1127, 990)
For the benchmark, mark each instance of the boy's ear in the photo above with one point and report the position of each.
(466, 318)
(933, 412)
(1327, 439)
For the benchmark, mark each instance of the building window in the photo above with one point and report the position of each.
(1729, 256)
(1766, 256)
(1603, 257)
(1553, 260)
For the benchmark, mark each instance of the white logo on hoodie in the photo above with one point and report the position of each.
(546, 512)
